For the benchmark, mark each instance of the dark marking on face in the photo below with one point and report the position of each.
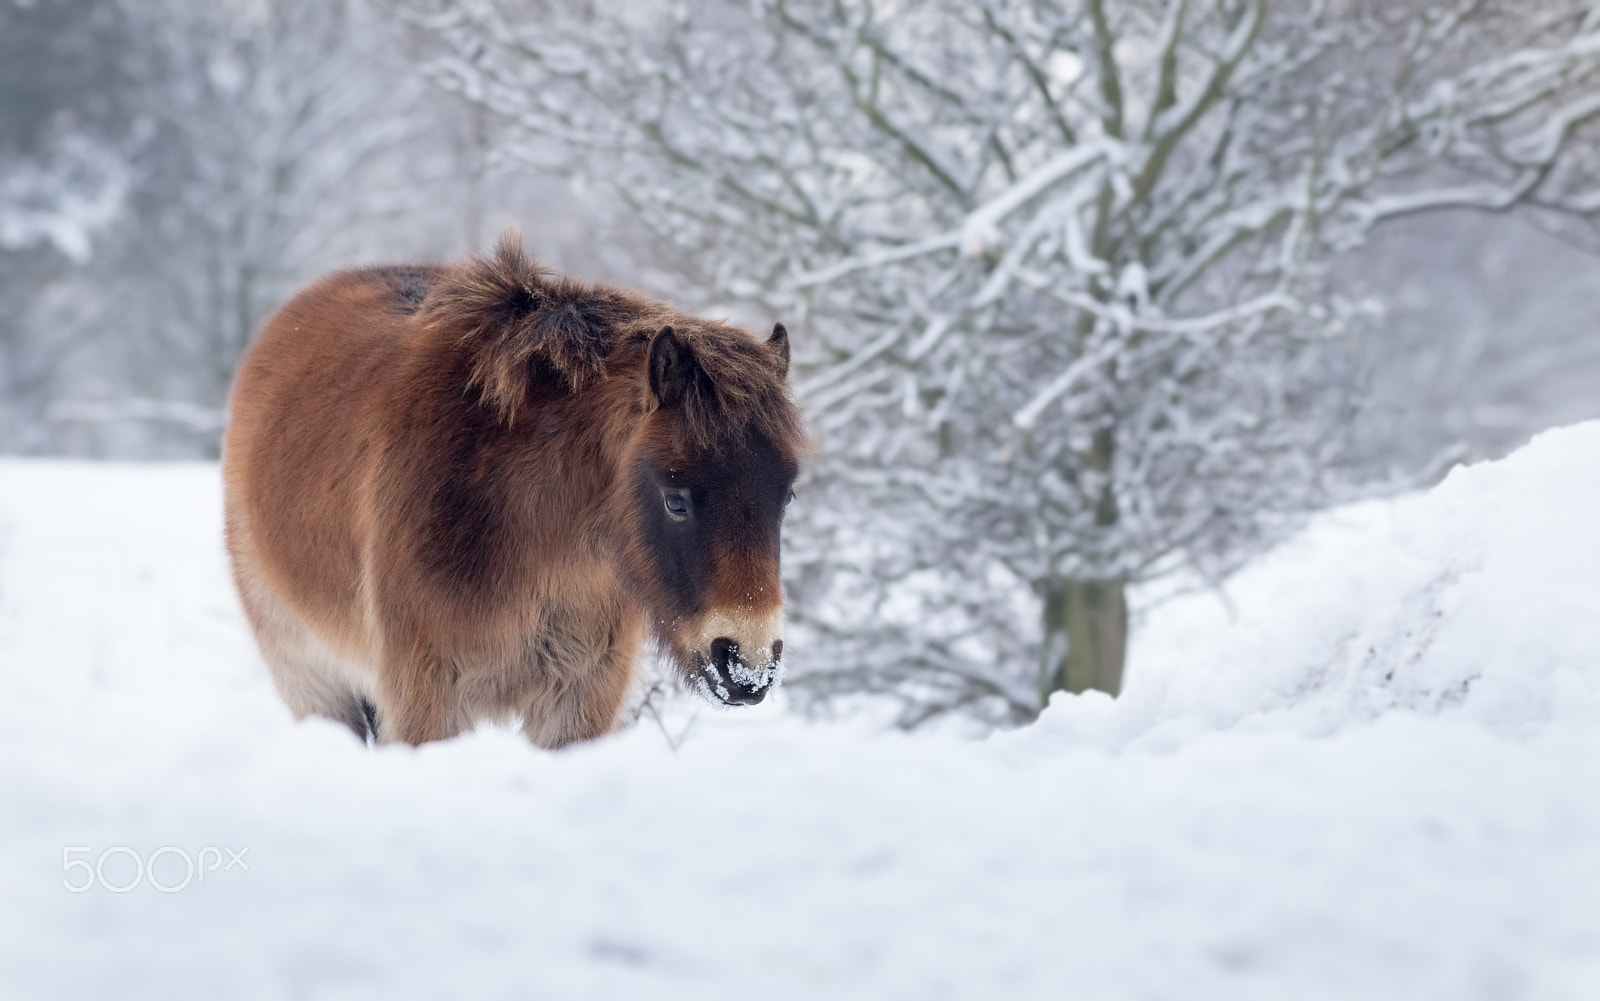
(719, 513)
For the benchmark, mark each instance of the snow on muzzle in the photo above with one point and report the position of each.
(740, 656)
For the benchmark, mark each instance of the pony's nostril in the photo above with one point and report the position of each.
(723, 651)
(777, 649)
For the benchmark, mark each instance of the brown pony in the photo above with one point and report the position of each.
(474, 491)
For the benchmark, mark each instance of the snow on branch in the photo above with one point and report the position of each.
(76, 191)
(1125, 319)
(980, 230)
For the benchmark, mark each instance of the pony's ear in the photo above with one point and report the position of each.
(779, 343)
(672, 368)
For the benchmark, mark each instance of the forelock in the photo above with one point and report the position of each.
(738, 391)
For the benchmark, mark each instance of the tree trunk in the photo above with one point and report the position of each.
(1085, 635)
(1086, 620)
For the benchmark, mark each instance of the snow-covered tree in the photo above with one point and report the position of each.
(55, 208)
(1062, 267)
(272, 150)
(169, 171)
(63, 183)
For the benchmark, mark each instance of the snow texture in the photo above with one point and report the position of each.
(1370, 773)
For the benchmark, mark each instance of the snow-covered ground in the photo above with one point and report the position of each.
(1376, 775)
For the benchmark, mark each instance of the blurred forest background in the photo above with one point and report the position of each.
(1087, 295)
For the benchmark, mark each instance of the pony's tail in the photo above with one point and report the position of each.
(520, 322)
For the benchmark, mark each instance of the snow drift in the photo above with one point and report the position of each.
(1366, 771)
(1482, 594)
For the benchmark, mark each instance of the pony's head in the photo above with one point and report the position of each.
(709, 477)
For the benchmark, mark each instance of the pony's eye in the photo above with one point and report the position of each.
(790, 499)
(677, 505)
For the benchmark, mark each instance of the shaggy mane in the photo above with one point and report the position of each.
(520, 323)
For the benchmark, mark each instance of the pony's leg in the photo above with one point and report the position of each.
(416, 699)
(584, 704)
(309, 677)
